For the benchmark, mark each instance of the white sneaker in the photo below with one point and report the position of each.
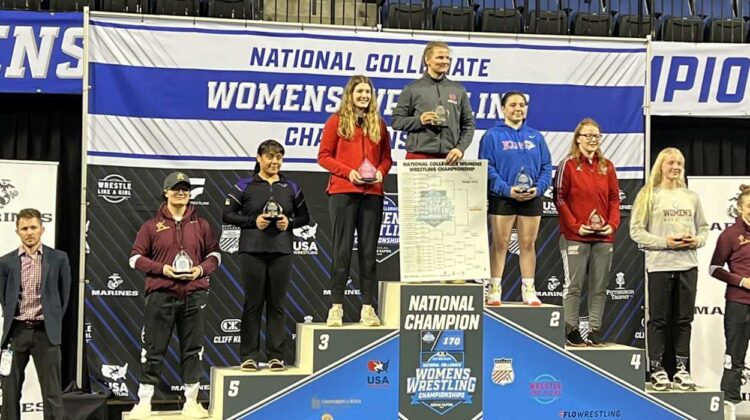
(194, 410)
(368, 317)
(660, 380)
(335, 317)
(682, 380)
(528, 294)
(140, 411)
(494, 296)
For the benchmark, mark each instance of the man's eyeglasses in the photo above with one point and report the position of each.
(183, 188)
(590, 137)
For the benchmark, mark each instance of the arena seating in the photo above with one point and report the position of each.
(724, 21)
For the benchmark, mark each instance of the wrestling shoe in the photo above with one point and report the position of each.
(594, 338)
(660, 380)
(368, 317)
(682, 380)
(140, 411)
(335, 317)
(194, 410)
(528, 294)
(494, 296)
(573, 338)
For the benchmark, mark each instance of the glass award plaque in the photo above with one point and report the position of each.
(367, 171)
(182, 263)
(442, 115)
(272, 210)
(523, 181)
(595, 222)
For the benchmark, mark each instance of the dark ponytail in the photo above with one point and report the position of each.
(268, 146)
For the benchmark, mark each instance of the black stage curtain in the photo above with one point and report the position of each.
(48, 128)
(712, 146)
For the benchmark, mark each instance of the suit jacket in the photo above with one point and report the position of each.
(55, 290)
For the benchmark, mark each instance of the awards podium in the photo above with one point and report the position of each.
(441, 355)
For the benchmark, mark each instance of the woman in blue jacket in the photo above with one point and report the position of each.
(520, 171)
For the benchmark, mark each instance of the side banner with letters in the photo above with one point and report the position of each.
(701, 80)
(21, 184)
(719, 199)
(41, 52)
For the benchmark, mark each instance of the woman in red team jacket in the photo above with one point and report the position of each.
(733, 250)
(587, 196)
(356, 150)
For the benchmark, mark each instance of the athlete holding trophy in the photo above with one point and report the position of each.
(520, 171)
(165, 250)
(435, 111)
(587, 197)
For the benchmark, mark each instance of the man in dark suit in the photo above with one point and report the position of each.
(34, 293)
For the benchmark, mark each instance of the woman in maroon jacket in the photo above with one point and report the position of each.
(733, 250)
(356, 150)
(177, 250)
(587, 196)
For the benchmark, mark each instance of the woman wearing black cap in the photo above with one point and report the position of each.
(266, 206)
(177, 250)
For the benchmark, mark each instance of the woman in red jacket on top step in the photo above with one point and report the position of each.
(356, 150)
(587, 196)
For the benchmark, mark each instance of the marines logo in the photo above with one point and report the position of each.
(7, 192)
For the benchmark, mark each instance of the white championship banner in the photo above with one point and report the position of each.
(25, 184)
(718, 197)
(443, 215)
(176, 100)
(707, 80)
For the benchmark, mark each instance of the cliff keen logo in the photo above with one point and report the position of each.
(114, 188)
(7, 192)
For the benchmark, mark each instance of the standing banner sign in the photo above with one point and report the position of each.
(25, 184)
(41, 52)
(175, 101)
(718, 198)
(700, 80)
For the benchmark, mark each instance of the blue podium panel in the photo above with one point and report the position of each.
(528, 377)
(363, 385)
(441, 351)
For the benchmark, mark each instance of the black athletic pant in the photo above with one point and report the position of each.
(671, 296)
(737, 333)
(266, 278)
(162, 313)
(27, 340)
(364, 213)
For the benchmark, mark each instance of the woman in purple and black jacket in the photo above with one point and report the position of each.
(733, 250)
(265, 251)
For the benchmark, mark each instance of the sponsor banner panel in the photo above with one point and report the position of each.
(41, 52)
(719, 200)
(21, 186)
(441, 351)
(705, 80)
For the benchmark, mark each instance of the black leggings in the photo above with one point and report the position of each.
(266, 278)
(364, 213)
